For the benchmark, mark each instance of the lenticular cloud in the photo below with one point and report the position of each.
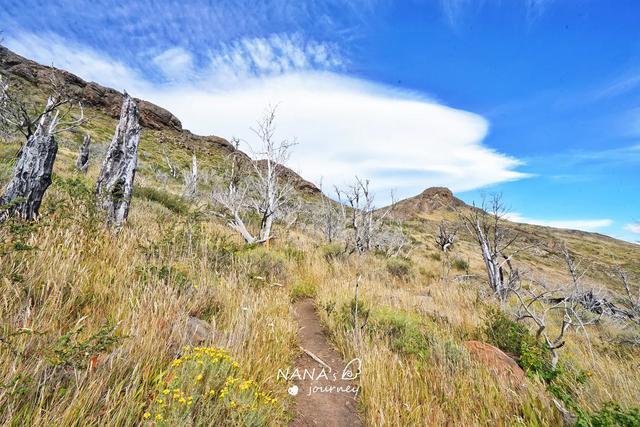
(348, 127)
(345, 126)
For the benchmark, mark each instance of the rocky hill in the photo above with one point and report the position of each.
(34, 76)
(429, 200)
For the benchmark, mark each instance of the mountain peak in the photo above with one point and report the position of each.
(431, 199)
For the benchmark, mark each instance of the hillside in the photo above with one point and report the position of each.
(602, 254)
(176, 321)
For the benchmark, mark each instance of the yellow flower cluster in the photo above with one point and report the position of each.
(191, 373)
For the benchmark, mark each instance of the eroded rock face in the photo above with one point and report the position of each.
(496, 361)
(115, 182)
(91, 94)
(32, 173)
(429, 200)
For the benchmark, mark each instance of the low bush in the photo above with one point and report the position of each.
(406, 331)
(611, 415)
(333, 251)
(515, 339)
(170, 201)
(203, 385)
(400, 268)
(460, 265)
(302, 289)
(261, 265)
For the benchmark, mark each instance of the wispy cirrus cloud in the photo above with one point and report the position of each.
(570, 224)
(346, 126)
(456, 12)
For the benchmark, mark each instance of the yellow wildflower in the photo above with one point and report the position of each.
(146, 415)
(166, 391)
(159, 417)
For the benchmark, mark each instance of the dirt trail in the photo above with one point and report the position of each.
(321, 408)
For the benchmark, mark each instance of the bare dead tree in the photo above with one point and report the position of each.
(331, 218)
(32, 172)
(82, 163)
(556, 310)
(231, 194)
(631, 300)
(18, 114)
(445, 240)
(191, 179)
(390, 238)
(115, 182)
(173, 170)
(266, 191)
(486, 225)
(364, 222)
(273, 190)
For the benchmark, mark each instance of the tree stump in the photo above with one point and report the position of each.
(32, 173)
(115, 182)
(83, 155)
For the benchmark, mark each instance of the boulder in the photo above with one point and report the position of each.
(198, 331)
(496, 361)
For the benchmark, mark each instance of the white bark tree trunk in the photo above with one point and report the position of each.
(115, 182)
(32, 173)
(83, 155)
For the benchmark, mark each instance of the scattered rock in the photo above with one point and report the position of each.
(198, 331)
(496, 361)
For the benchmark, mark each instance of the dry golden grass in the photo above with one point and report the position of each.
(146, 281)
(66, 274)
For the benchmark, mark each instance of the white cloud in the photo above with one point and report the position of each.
(175, 63)
(571, 224)
(49, 49)
(268, 56)
(345, 126)
(633, 227)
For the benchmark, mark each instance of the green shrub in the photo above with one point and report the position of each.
(399, 267)
(406, 331)
(333, 251)
(515, 339)
(460, 265)
(204, 383)
(611, 415)
(348, 312)
(261, 265)
(293, 254)
(303, 289)
(172, 202)
(435, 256)
(70, 350)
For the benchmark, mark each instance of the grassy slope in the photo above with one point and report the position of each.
(173, 261)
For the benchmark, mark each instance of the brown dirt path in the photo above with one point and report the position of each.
(335, 408)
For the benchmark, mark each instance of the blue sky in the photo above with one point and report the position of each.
(538, 99)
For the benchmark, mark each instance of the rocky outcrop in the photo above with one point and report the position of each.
(109, 101)
(429, 200)
(91, 94)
